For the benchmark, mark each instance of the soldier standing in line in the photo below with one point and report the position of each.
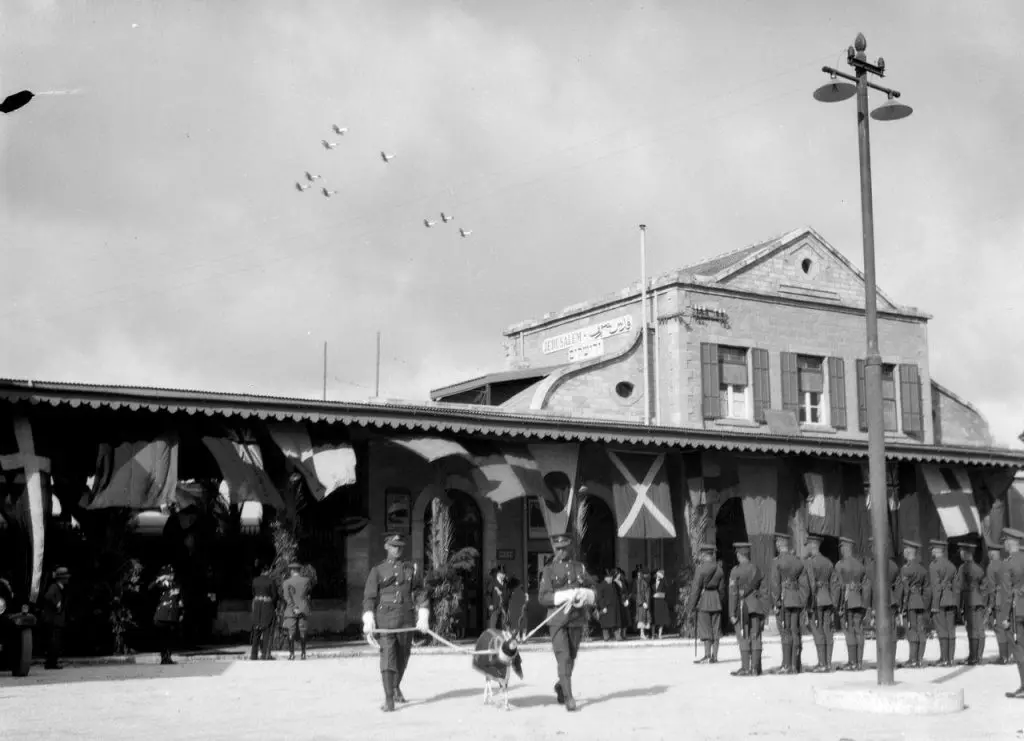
(942, 575)
(917, 598)
(996, 597)
(824, 595)
(893, 598)
(707, 595)
(971, 589)
(394, 593)
(565, 580)
(1011, 615)
(854, 602)
(169, 612)
(747, 610)
(790, 592)
(264, 607)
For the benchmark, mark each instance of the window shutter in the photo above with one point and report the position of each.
(762, 390)
(709, 380)
(837, 392)
(790, 383)
(862, 397)
(910, 399)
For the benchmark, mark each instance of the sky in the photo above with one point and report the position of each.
(151, 232)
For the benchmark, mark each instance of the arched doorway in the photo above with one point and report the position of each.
(468, 532)
(730, 527)
(597, 549)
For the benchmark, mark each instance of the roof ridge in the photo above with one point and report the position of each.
(759, 244)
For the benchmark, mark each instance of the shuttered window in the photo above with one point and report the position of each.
(790, 383)
(709, 380)
(890, 407)
(733, 383)
(811, 388)
(862, 398)
(837, 393)
(761, 386)
(910, 398)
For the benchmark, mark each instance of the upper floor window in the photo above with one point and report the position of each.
(890, 399)
(901, 399)
(734, 385)
(811, 389)
(734, 382)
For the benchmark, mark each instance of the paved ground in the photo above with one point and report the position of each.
(629, 691)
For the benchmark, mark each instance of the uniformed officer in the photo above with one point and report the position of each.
(916, 602)
(854, 602)
(169, 611)
(893, 592)
(297, 608)
(707, 594)
(972, 588)
(824, 595)
(747, 610)
(945, 599)
(790, 591)
(264, 607)
(1012, 613)
(394, 597)
(561, 581)
(996, 597)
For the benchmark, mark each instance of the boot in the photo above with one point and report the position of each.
(798, 649)
(388, 680)
(302, 643)
(291, 649)
(570, 701)
(1004, 653)
(820, 650)
(950, 650)
(828, 656)
(756, 671)
(714, 652)
(972, 652)
(744, 669)
(707, 654)
(980, 653)
(920, 653)
(860, 656)
(559, 692)
(787, 658)
(399, 697)
(912, 655)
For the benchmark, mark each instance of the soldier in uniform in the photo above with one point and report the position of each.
(945, 599)
(747, 610)
(893, 594)
(790, 592)
(394, 597)
(972, 589)
(917, 597)
(565, 581)
(996, 597)
(169, 611)
(824, 595)
(297, 608)
(264, 607)
(1011, 615)
(854, 602)
(707, 595)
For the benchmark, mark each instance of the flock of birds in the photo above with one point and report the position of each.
(311, 178)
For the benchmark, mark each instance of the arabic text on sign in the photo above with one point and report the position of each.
(587, 335)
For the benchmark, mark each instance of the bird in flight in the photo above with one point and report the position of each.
(300, 187)
(327, 144)
(428, 223)
(386, 157)
(339, 130)
(311, 177)
(328, 193)
(465, 232)
(446, 217)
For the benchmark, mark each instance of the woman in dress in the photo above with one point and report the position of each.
(608, 602)
(643, 602)
(660, 593)
(624, 598)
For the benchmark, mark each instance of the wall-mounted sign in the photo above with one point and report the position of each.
(586, 352)
(587, 335)
(506, 554)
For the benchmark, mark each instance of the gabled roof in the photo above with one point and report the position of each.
(712, 266)
(520, 374)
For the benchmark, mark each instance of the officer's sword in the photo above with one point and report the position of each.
(744, 631)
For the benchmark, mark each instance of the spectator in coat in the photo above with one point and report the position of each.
(264, 606)
(498, 600)
(643, 602)
(623, 587)
(608, 602)
(55, 616)
(169, 612)
(662, 612)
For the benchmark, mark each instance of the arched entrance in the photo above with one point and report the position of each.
(468, 532)
(730, 527)
(597, 549)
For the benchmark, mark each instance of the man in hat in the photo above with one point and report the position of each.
(996, 598)
(854, 601)
(498, 600)
(55, 616)
(971, 587)
(394, 598)
(790, 592)
(169, 611)
(565, 582)
(747, 610)
(297, 608)
(917, 598)
(707, 595)
(945, 599)
(892, 594)
(824, 595)
(1011, 616)
(264, 607)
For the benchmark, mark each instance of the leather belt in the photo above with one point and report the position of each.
(262, 598)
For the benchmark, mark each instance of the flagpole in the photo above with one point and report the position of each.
(643, 322)
(325, 371)
(376, 385)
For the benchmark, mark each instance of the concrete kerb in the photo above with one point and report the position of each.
(898, 699)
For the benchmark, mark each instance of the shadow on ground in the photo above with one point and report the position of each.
(657, 689)
(81, 674)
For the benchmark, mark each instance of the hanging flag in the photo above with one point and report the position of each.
(245, 481)
(431, 449)
(137, 475)
(558, 465)
(324, 468)
(643, 507)
(506, 472)
(30, 508)
(824, 488)
(951, 491)
(758, 492)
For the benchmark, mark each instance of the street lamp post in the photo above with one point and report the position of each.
(892, 110)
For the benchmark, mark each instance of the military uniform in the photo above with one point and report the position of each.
(790, 592)
(892, 598)
(996, 597)
(264, 606)
(824, 596)
(561, 581)
(297, 609)
(1011, 615)
(747, 610)
(169, 612)
(394, 597)
(707, 596)
(916, 601)
(972, 588)
(854, 603)
(945, 599)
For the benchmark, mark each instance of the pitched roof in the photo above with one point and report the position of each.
(521, 374)
(715, 265)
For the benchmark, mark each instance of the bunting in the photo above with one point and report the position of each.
(507, 472)
(324, 468)
(142, 474)
(559, 468)
(244, 477)
(951, 492)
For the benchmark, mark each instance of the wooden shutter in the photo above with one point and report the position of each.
(790, 384)
(837, 392)
(910, 400)
(862, 397)
(762, 389)
(709, 380)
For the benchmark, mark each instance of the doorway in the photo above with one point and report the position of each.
(467, 532)
(730, 527)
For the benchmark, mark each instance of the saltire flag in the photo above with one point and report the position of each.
(18, 454)
(951, 492)
(141, 474)
(241, 465)
(640, 492)
(324, 468)
(559, 468)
